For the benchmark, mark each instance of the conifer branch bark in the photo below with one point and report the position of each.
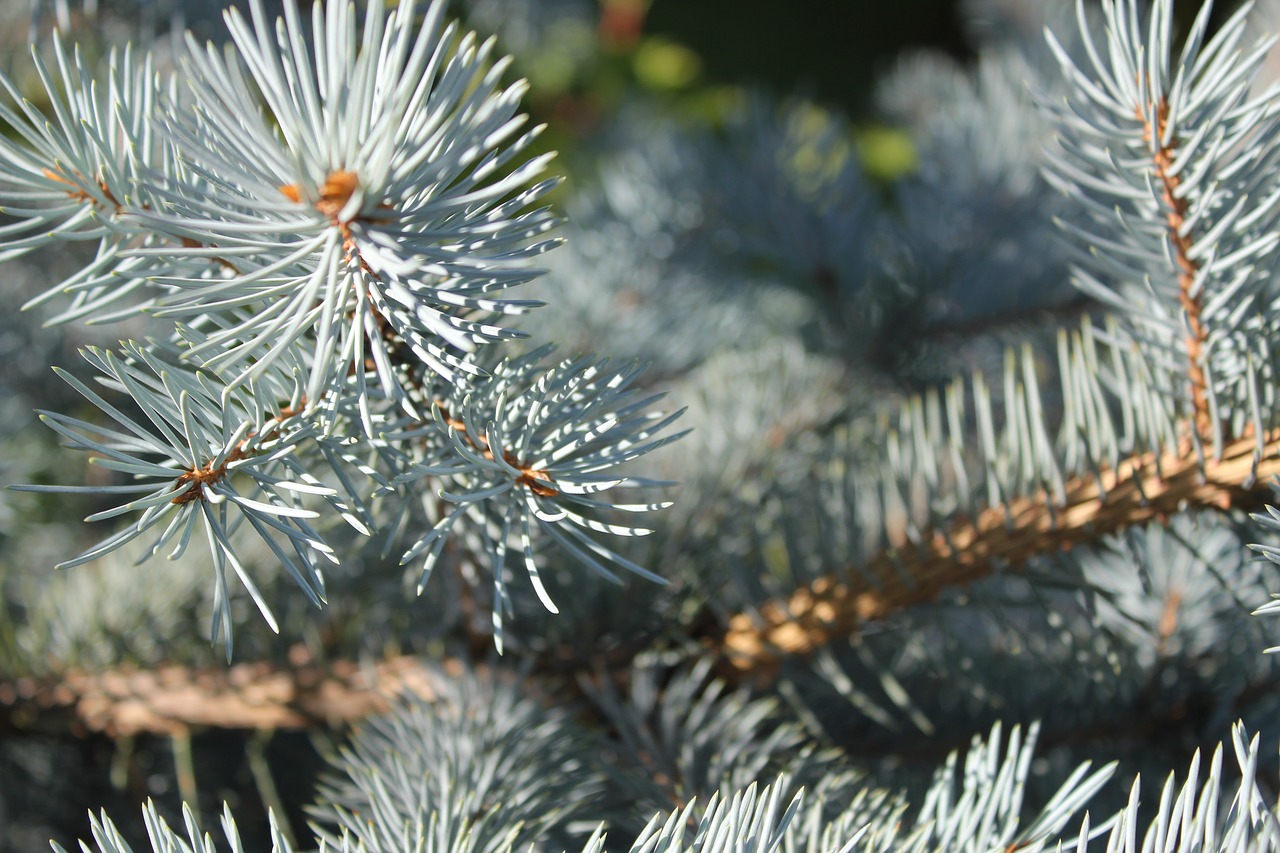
(174, 700)
(1181, 238)
(1136, 492)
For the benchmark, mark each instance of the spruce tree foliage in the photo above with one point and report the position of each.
(970, 539)
(333, 292)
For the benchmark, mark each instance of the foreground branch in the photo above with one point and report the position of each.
(1000, 537)
(174, 700)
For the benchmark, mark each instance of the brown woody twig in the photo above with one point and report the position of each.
(1002, 536)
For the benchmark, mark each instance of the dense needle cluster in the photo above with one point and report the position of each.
(895, 528)
(332, 213)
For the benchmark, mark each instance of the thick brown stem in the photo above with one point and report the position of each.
(1003, 536)
(172, 700)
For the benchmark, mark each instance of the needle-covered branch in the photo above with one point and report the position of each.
(1141, 490)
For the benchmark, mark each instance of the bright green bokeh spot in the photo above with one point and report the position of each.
(886, 153)
(663, 64)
